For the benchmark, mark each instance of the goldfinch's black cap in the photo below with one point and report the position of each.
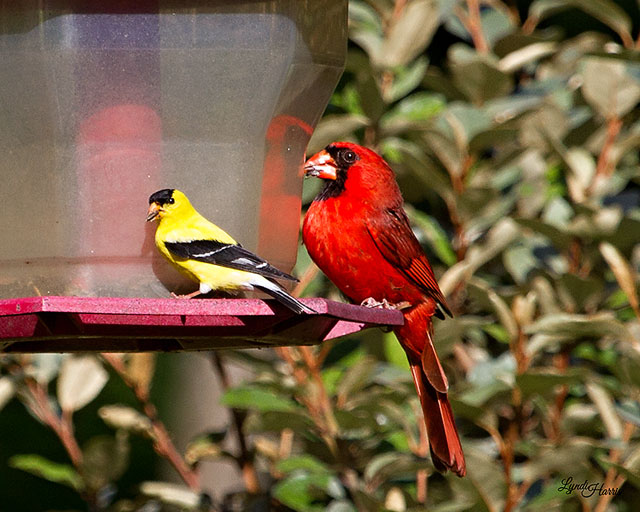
(161, 196)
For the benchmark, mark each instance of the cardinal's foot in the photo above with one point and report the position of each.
(385, 304)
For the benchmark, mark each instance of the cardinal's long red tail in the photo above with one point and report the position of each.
(414, 336)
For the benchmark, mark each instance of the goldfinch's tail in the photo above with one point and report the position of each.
(281, 296)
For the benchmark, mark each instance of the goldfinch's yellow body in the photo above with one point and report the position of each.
(208, 255)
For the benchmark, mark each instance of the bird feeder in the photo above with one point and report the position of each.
(103, 103)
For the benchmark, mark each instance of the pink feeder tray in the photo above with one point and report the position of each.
(106, 324)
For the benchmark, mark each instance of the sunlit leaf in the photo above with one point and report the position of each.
(172, 494)
(205, 447)
(126, 418)
(80, 381)
(623, 272)
(526, 55)
(604, 403)
(7, 391)
(609, 87)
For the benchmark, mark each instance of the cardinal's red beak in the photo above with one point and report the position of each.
(321, 165)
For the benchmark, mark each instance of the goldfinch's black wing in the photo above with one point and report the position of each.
(226, 255)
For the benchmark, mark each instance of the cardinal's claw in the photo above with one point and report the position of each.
(385, 304)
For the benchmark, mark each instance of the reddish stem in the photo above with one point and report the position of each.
(162, 443)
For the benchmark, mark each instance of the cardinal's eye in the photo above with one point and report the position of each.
(348, 156)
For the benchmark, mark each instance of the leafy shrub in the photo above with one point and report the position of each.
(514, 131)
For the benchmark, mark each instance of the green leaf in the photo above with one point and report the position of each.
(487, 477)
(335, 127)
(543, 381)
(105, 459)
(559, 238)
(251, 397)
(341, 506)
(44, 468)
(498, 237)
(605, 11)
(410, 33)
(573, 326)
(393, 351)
(412, 112)
(608, 86)
(629, 411)
(478, 77)
(387, 465)
(299, 490)
(406, 79)
(604, 403)
(356, 378)
(437, 237)
(519, 262)
(365, 28)
(482, 416)
(305, 462)
(205, 447)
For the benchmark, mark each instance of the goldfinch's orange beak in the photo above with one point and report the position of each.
(321, 165)
(153, 211)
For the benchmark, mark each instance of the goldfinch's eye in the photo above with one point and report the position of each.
(348, 156)
(171, 200)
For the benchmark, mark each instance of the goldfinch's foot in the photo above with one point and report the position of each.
(187, 296)
(385, 304)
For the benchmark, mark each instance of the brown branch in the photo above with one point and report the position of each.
(61, 425)
(613, 479)
(162, 443)
(398, 7)
(245, 459)
(515, 492)
(321, 410)
(309, 275)
(530, 25)
(561, 363)
(472, 21)
(604, 167)
(323, 397)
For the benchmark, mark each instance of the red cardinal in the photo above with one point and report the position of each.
(358, 233)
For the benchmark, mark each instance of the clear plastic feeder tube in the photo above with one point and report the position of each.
(103, 103)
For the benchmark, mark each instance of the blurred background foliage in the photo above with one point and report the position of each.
(514, 130)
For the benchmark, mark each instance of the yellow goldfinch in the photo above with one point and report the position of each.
(205, 253)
